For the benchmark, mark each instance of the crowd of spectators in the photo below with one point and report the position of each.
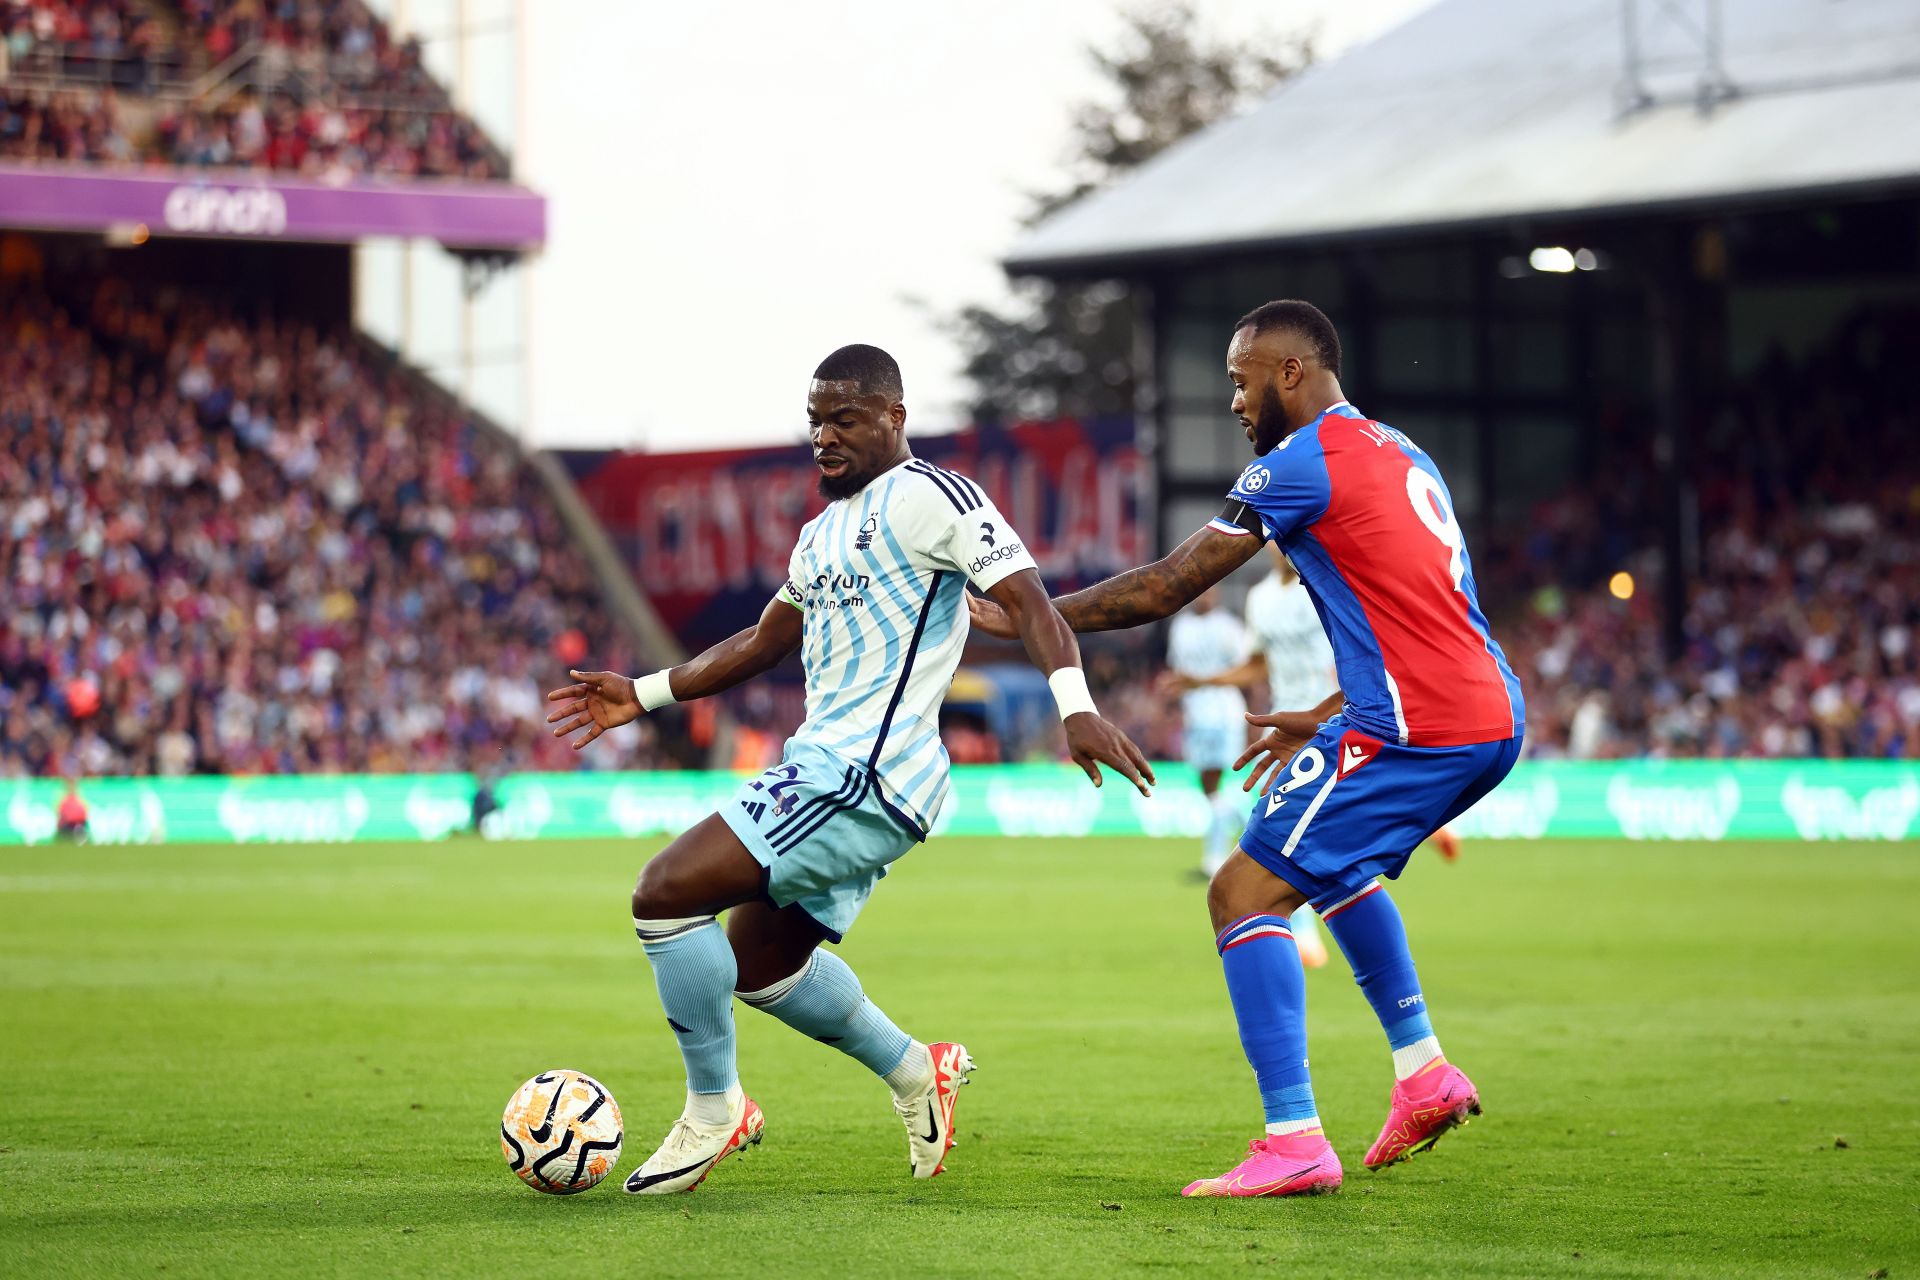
(115, 42)
(1798, 636)
(1799, 641)
(1801, 629)
(233, 543)
(325, 140)
(1802, 607)
(65, 125)
(332, 94)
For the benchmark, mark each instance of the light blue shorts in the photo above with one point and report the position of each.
(819, 825)
(1214, 745)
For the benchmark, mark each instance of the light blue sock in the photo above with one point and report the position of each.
(1223, 824)
(1304, 922)
(694, 969)
(824, 1000)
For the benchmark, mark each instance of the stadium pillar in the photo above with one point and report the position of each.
(1486, 457)
(1664, 280)
(1360, 333)
(1150, 400)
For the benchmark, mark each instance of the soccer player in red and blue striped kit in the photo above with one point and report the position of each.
(1428, 719)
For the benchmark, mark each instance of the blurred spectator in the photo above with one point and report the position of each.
(485, 802)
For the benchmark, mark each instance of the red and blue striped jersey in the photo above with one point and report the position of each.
(1364, 515)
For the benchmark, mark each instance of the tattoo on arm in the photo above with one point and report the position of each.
(1160, 589)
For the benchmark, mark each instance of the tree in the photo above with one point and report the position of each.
(1066, 349)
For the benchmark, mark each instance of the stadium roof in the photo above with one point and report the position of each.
(1478, 111)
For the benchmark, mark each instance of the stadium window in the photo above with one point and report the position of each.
(1528, 357)
(1421, 353)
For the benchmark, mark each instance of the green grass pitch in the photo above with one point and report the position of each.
(1696, 1060)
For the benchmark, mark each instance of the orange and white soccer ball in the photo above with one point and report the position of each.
(561, 1133)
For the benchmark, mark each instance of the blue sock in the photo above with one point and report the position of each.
(824, 1000)
(1269, 994)
(1367, 926)
(694, 969)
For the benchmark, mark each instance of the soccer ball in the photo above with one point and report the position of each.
(561, 1132)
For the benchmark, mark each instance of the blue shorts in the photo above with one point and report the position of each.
(1213, 744)
(818, 824)
(1349, 807)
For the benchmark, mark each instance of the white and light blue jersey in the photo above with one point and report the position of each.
(1287, 628)
(1202, 645)
(882, 577)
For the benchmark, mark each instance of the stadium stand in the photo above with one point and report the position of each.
(314, 87)
(244, 541)
(1802, 610)
(1802, 606)
(1609, 415)
(66, 125)
(279, 542)
(242, 544)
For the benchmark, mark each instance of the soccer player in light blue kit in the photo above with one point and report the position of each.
(875, 602)
(1202, 642)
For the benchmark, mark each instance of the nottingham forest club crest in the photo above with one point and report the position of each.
(867, 530)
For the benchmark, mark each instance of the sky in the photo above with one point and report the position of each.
(737, 189)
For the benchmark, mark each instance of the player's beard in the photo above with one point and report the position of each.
(1270, 423)
(844, 485)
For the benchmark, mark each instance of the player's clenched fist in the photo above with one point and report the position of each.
(602, 700)
(1091, 739)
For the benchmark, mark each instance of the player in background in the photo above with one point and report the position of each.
(71, 815)
(1428, 718)
(874, 603)
(1201, 642)
(1292, 657)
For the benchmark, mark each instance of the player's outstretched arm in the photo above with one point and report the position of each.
(1251, 674)
(1139, 596)
(1051, 647)
(603, 700)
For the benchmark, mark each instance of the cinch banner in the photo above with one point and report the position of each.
(1638, 800)
(710, 534)
(250, 205)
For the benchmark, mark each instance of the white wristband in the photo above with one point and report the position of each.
(1069, 685)
(654, 692)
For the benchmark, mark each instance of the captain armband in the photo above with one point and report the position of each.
(1237, 517)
